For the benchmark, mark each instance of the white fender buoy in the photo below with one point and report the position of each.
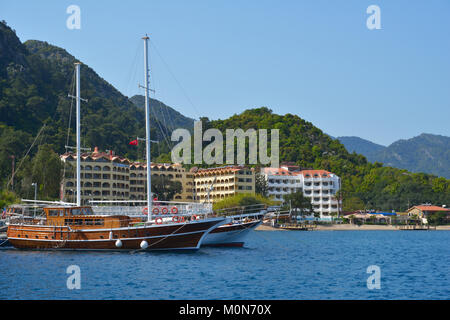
(110, 235)
(144, 244)
(119, 243)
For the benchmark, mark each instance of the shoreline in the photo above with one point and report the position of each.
(348, 227)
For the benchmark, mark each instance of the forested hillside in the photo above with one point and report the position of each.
(364, 184)
(425, 153)
(35, 80)
(361, 146)
(171, 118)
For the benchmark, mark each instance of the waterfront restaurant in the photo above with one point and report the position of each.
(358, 217)
(425, 210)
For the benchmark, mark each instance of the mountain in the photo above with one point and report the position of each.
(425, 153)
(171, 118)
(363, 183)
(361, 146)
(35, 80)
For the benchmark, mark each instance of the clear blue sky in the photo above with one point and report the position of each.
(316, 59)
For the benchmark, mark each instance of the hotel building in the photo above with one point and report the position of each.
(319, 185)
(174, 172)
(106, 176)
(225, 181)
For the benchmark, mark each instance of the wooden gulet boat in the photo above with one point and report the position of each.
(77, 228)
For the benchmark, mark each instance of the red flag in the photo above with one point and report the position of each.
(134, 142)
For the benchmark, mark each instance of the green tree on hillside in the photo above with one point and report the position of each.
(241, 200)
(165, 188)
(47, 172)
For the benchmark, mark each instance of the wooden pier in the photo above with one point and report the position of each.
(298, 227)
(416, 227)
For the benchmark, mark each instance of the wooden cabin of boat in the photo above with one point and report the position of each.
(84, 218)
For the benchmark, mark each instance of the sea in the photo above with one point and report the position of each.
(272, 265)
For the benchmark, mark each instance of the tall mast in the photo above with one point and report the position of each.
(147, 130)
(78, 99)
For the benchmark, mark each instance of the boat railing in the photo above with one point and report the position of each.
(20, 219)
(162, 208)
(240, 210)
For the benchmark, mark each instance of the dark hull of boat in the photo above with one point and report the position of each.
(161, 237)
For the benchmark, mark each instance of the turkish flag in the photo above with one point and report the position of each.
(134, 142)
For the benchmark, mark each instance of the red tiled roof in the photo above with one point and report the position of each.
(312, 173)
(305, 173)
(430, 208)
(230, 168)
(95, 155)
(279, 172)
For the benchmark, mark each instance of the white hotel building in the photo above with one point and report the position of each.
(319, 185)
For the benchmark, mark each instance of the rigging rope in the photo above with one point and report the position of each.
(21, 161)
(152, 42)
(163, 133)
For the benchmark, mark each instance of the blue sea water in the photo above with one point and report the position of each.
(272, 265)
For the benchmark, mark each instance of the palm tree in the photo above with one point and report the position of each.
(299, 202)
